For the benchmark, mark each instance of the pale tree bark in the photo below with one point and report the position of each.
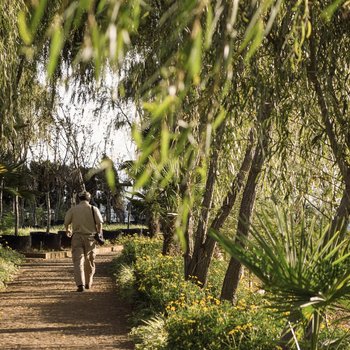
(48, 211)
(188, 235)
(21, 212)
(206, 205)
(34, 216)
(16, 213)
(1, 198)
(233, 273)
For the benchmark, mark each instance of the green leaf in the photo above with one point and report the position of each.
(55, 51)
(209, 27)
(219, 119)
(195, 57)
(110, 177)
(24, 31)
(158, 110)
(101, 6)
(258, 36)
(38, 15)
(137, 136)
(164, 146)
(143, 179)
(328, 12)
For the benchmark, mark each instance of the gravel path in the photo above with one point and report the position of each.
(40, 309)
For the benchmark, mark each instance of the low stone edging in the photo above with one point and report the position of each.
(68, 254)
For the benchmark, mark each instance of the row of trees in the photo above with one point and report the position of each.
(44, 191)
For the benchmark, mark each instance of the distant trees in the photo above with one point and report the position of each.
(46, 190)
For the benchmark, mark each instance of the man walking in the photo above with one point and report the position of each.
(81, 223)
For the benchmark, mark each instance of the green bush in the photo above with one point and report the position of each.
(135, 247)
(7, 222)
(209, 324)
(176, 314)
(9, 261)
(151, 335)
(183, 316)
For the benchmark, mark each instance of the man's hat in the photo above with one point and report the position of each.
(84, 196)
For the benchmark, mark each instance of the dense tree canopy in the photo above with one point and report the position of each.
(241, 105)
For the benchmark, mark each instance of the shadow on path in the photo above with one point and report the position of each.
(40, 309)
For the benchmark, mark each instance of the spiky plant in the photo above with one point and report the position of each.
(305, 272)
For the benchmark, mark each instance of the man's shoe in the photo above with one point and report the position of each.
(80, 288)
(87, 286)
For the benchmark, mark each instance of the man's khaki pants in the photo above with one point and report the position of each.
(83, 254)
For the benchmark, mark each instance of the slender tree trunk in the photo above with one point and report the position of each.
(340, 220)
(81, 180)
(73, 200)
(168, 229)
(21, 212)
(234, 269)
(35, 217)
(1, 198)
(108, 209)
(189, 230)
(202, 226)
(48, 212)
(16, 213)
(189, 233)
(201, 258)
(58, 205)
(153, 224)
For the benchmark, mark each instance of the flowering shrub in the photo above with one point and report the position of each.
(177, 314)
(209, 324)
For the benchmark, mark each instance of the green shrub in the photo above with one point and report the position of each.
(177, 314)
(193, 317)
(209, 324)
(151, 335)
(7, 222)
(137, 247)
(9, 261)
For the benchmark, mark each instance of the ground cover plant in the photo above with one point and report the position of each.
(9, 262)
(178, 314)
(172, 313)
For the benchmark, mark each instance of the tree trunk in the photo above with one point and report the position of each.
(108, 209)
(58, 206)
(340, 220)
(234, 269)
(35, 217)
(21, 213)
(48, 212)
(189, 245)
(189, 233)
(202, 226)
(1, 198)
(168, 229)
(153, 224)
(16, 213)
(201, 258)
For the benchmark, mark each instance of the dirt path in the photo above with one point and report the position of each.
(40, 309)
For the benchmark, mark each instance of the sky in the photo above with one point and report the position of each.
(95, 126)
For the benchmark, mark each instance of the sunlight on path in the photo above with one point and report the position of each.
(41, 310)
